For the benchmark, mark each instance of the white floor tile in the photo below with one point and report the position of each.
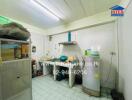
(45, 88)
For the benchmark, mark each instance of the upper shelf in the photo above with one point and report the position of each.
(68, 43)
(15, 60)
(11, 40)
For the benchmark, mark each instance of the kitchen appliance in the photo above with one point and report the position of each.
(91, 75)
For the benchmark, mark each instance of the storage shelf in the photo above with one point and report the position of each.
(68, 43)
(10, 65)
(11, 40)
(16, 60)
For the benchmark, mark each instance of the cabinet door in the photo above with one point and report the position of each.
(16, 78)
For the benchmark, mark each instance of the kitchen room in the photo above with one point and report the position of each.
(65, 49)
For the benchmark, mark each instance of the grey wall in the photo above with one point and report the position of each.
(125, 34)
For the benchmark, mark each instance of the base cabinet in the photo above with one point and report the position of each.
(0, 85)
(15, 80)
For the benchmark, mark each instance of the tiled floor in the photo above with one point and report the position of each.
(45, 88)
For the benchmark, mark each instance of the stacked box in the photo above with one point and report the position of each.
(7, 54)
(25, 50)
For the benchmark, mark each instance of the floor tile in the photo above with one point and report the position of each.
(45, 88)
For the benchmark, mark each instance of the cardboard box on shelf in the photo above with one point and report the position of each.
(25, 50)
(7, 54)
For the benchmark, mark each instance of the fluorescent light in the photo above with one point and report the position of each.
(46, 9)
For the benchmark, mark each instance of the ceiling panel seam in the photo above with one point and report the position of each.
(82, 6)
(56, 7)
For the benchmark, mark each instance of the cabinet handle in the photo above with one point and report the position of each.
(18, 77)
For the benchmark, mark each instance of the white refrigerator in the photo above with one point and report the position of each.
(91, 76)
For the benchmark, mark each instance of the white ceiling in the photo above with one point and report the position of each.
(69, 10)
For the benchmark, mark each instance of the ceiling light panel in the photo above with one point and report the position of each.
(45, 8)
